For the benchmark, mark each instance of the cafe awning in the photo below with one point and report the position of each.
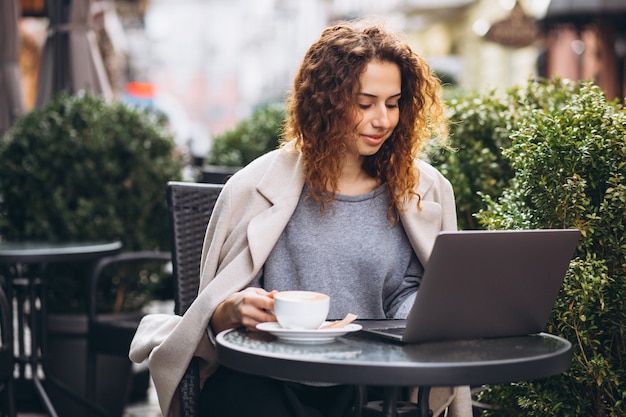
(11, 102)
(71, 59)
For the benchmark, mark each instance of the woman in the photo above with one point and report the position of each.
(344, 202)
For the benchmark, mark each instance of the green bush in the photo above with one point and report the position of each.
(250, 139)
(568, 155)
(480, 126)
(477, 134)
(83, 169)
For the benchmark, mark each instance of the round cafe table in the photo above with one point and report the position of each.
(23, 265)
(363, 359)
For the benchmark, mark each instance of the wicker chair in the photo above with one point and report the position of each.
(7, 403)
(190, 207)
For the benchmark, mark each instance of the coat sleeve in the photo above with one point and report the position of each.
(169, 342)
(152, 330)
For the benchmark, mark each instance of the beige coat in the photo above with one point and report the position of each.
(250, 215)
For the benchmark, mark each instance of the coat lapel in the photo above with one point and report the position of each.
(422, 225)
(281, 186)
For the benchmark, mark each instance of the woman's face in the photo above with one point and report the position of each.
(377, 111)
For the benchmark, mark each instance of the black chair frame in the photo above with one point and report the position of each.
(112, 335)
(190, 208)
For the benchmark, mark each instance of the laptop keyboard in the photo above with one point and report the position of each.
(399, 331)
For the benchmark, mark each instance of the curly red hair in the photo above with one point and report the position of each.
(322, 105)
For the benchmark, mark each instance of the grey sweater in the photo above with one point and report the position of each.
(352, 252)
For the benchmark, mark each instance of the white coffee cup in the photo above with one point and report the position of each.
(301, 309)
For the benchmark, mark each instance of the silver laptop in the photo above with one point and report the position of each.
(481, 284)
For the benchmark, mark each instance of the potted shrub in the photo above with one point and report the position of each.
(569, 162)
(250, 139)
(84, 169)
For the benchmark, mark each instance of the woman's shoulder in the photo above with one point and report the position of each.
(426, 169)
(282, 163)
(431, 181)
(261, 164)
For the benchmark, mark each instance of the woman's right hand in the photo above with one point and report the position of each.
(247, 308)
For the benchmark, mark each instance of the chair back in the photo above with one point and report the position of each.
(190, 206)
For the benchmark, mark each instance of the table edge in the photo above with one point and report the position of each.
(43, 254)
(434, 374)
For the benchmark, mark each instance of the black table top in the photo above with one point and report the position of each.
(362, 358)
(34, 252)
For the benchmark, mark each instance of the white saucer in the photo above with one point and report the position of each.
(306, 336)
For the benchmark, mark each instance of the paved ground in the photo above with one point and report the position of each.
(149, 408)
(145, 409)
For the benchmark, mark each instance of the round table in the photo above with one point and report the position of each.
(28, 292)
(364, 359)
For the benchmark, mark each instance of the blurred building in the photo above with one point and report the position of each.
(457, 37)
(220, 60)
(586, 40)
